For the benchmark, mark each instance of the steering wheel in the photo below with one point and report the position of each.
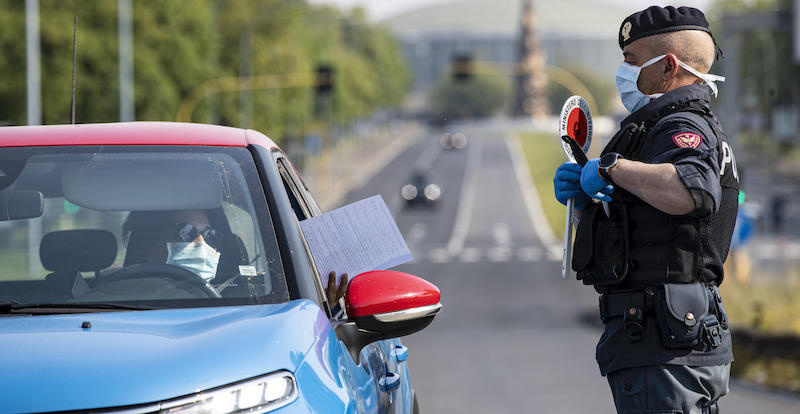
(178, 274)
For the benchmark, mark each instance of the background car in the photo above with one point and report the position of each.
(453, 140)
(421, 190)
(103, 309)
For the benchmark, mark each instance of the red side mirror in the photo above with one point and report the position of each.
(391, 303)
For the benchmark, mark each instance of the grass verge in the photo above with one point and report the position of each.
(544, 155)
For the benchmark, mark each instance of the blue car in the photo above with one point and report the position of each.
(159, 268)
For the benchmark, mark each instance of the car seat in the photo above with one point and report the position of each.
(67, 253)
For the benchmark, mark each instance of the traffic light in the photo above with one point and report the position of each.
(461, 67)
(324, 79)
(323, 90)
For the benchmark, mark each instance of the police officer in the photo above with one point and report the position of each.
(656, 257)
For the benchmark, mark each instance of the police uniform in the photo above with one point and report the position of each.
(666, 344)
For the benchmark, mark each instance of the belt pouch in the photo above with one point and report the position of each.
(584, 239)
(681, 311)
(613, 244)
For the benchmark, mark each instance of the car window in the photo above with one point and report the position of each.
(293, 190)
(159, 226)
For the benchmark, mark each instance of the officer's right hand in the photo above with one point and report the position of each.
(567, 184)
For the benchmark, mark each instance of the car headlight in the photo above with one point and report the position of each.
(409, 192)
(261, 394)
(444, 141)
(459, 140)
(432, 192)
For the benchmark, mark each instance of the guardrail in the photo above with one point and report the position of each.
(766, 345)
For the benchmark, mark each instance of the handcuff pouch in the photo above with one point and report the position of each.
(682, 312)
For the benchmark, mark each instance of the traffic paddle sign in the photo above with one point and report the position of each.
(575, 123)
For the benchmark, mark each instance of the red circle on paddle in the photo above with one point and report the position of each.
(577, 127)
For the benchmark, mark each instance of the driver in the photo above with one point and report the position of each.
(182, 238)
(185, 238)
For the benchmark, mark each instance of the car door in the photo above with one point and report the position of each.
(377, 373)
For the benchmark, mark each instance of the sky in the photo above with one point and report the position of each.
(381, 9)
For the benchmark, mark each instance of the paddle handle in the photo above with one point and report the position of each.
(567, 260)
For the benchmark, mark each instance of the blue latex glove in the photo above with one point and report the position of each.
(594, 185)
(567, 185)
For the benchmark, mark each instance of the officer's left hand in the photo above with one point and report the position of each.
(592, 184)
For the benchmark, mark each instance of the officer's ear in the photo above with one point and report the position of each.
(671, 66)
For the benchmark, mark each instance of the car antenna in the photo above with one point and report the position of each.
(74, 65)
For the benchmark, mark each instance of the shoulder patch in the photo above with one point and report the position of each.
(687, 139)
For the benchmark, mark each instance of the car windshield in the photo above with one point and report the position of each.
(135, 227)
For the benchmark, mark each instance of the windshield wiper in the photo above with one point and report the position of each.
(53, 308)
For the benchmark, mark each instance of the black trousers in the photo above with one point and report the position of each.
(669, 389)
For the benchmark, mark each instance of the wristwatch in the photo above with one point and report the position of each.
(607, 162)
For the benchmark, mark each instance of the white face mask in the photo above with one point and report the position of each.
(628, 76)
(197, 257)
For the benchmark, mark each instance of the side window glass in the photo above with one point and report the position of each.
(298, 211)
(299, 205)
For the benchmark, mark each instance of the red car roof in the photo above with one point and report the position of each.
(131, 133)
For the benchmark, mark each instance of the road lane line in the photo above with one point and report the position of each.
(532, 202)
(416, 233)
(428, 157)
(499, 254)
(502, 234)
(471, 255)
(529, 254)
(439, 256)
(467, 197)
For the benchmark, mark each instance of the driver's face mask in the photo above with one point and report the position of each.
(197, 257)
(628, 76)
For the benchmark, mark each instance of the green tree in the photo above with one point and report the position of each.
(602, 89)
(483, 94)
(182, 45)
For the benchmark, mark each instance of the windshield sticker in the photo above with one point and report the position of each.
(247, 271)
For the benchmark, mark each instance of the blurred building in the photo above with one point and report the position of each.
(571, 34)
(761, 90)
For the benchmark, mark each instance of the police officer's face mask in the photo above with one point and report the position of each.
(196, 257)
(628, 76)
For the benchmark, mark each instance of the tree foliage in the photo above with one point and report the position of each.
(483, 94)
(603, 90)
(182, 46)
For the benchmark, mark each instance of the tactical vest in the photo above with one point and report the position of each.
(639, 245)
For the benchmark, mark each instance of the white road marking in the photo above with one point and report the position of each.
(416, 233)
(502, 234)
(439, 256)
(426, 159)
(555, 255)
(529, 253)
(532, 202)
(471, 255)
(775, 250)
(499, 254)
(468, 188)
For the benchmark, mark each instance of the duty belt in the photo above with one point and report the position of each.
(626, 304)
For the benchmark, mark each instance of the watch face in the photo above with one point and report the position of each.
(608, 160)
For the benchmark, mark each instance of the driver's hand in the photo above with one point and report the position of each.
(333, 292)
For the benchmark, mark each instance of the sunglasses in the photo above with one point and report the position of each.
(188, 232)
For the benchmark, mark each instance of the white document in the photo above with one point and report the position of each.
(356, 238)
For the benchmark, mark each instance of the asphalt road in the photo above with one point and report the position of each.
(513, 336)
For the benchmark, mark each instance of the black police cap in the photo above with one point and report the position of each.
(656, 20)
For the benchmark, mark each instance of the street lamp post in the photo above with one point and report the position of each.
(34, 98)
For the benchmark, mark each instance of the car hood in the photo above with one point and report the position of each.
(51, 363)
